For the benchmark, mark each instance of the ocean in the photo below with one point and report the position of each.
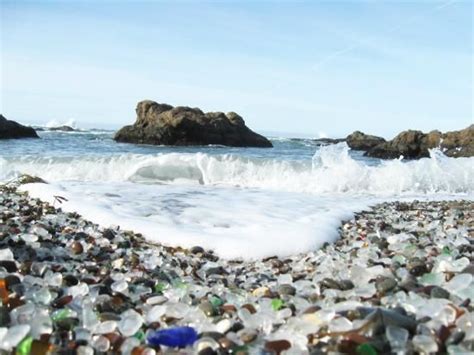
(243, 203)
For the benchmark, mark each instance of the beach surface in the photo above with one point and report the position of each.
(399, 279)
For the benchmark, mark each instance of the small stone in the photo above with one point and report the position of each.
(196, 250)
(425, 344)
(417, 267)
(77, 248)
(385, 284)
(366, 349)
(439, 292)
(14, 336)
(6, 255)
(130, 323)
(286, 289)
(224, 325)
(346, 285)
(247, 336)
(207, 308)
(277, 346)
(249, 307)
(179, 337)
(9, 265)
(330, 284)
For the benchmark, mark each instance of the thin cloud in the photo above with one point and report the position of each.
(370, 41)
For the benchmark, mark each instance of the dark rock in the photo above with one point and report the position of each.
(181, 126)
(416, 144)
(286, 289)
(331, 284)
(417, 267)
(346, 285)
(9, 265)
(277, 346)
(62, 129)
(468, 269)
(328, 141)
(361, 141)
(29, 179)
(439, 292)
(11, 129)
(196, 250)
(385, 284)
(380, 318)
(4, 317)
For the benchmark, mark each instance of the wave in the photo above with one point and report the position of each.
(53, 123)
(331, 170)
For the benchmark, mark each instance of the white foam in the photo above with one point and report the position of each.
(54, 123)
(233, 222)
(331, 170)
(240, 207)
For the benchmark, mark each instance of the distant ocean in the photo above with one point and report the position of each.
(241, 202)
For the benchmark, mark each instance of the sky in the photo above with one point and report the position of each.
(315, 68)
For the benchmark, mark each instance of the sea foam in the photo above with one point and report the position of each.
(331, 170)
(238, 206)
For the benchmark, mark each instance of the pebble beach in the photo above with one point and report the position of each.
(398, 280)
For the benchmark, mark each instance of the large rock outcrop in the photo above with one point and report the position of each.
(164, 124)
(416, 144)
(361, 141)
(11, 129)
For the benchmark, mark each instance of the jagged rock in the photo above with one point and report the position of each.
(459, 143)
(164, 124)
(361, 141)
(416, 144)
(11, 129)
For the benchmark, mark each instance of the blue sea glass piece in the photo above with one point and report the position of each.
(178, 337)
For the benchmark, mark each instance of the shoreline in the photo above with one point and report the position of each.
(399, 278)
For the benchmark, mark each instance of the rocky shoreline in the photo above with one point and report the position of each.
(399, 279)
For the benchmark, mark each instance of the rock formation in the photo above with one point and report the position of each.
(62, 128)
(164, 124)
(416, 144)
(11, 129)
(361, 141)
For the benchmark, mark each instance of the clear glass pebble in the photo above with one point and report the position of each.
(425, 344)
(14, 336)
(6, 254)
(130, 323)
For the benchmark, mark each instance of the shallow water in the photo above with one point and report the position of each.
(241, 202)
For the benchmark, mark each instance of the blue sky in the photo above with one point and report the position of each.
(311, 68)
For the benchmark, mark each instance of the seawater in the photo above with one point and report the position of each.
(241, 202)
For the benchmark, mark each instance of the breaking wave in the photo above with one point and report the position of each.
(331, 170)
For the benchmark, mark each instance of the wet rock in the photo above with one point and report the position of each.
(416, 144)
(166, 125)
(361, 141)
(11, 129)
